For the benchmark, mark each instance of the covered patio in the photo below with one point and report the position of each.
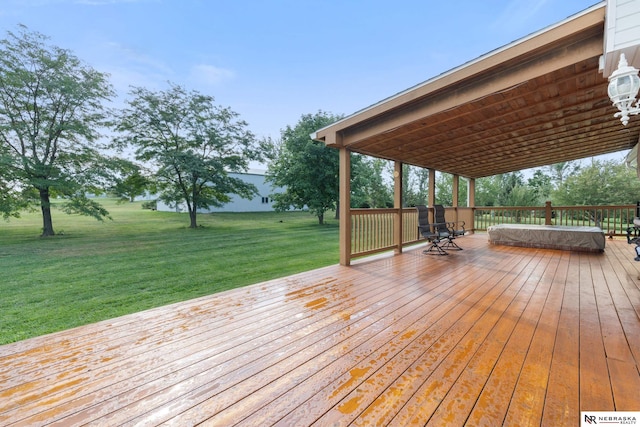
(491, 335)
(538, 101)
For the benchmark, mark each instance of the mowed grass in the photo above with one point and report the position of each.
(93, 271)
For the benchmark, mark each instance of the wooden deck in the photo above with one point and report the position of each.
(488, 336)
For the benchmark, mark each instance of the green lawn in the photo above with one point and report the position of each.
(93, 271)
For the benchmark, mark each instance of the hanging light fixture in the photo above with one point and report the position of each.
(624, 84)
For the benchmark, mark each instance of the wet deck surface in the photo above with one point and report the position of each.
(488, 336)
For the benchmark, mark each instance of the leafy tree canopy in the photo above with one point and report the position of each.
(50, 113)
(130, 181)
(307, 169)
(368, 186)
(11, 201)
(191, 144)
(508, 189)
(603, 182)
(415, 186)
(558, 172)
(444, 190)
(542, 184)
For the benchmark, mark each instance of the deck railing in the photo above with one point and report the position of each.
(372, 230)
(612, 220)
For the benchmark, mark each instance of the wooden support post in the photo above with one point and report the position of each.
(397, 204)
(471, 202)
(432, 193)
(432, 187)
(548, 213)
(471, 192)
(455, 191)
(345, 206)
(454, 196)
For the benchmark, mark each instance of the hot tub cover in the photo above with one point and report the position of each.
(573, 238)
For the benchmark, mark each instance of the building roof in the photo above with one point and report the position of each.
(537, 101)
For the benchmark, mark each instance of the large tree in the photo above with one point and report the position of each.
(444, 190)
(51, 109)
(130, 181)
(191, 144)
(415, 185)
(560, 171)
(368, 186)
(603, 182)
(307, 169)
(542, 184)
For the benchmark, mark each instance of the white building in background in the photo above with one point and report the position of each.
(260, 203)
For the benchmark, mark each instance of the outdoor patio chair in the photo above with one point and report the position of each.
(633, 232)
(430, 232)
(452, 229)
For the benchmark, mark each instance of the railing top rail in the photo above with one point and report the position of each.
(580, 207)
(366, 211)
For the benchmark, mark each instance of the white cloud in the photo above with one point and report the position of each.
(210, 75)
(517, 14)
(125, 54)
(127, 66)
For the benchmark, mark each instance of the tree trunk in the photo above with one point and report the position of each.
(45, 206)
(321, 218)
(193, 210)
(192, 216)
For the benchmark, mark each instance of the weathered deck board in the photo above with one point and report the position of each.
(595, 389)
(527, 403)
(488, 336)
(562, 401)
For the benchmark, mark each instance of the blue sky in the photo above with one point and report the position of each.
(273, 61)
